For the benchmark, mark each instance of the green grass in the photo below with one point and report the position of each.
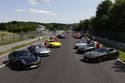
(21, 46)
(18, 47)
(7, 37)
(122, 55)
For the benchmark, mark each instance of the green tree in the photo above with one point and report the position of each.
(116, 20)
(102, 14)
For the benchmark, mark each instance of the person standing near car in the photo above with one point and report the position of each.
(85, 37)
(46, 43)
(98, 45)
(42, 43)
(88, 41)
(57, 39)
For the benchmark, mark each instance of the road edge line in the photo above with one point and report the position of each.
(121, 61)
(2, 66)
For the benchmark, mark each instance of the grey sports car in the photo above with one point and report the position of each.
(43, 51)
(79, 43)
(61, 36)
(39, 50)
(23, 59)
(101, 54)
(83, 49)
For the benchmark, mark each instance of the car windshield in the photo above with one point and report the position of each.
(83, 41)
(23, 53)
(90, 45)
(41, 46)
(51, 41)
(101, 50)
(78, 35)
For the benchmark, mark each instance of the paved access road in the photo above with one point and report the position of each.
(65, 66)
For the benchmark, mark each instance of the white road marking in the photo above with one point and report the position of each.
(4, 65)
(121, 61)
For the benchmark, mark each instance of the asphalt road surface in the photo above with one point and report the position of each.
(65, 66)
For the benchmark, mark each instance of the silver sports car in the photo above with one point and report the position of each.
(42, 50)
(39, 50)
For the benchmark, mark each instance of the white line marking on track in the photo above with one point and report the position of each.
(121, 61)
(3, 65)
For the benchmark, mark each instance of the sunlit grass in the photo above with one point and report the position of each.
(122, 55)
(8, 37)
(21, 46)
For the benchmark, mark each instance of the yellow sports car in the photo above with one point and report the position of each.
(53, 44)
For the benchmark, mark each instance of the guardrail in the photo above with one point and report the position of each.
(115, 44)
(9, 46)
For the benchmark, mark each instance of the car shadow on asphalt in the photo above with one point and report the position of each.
(119, 67)
(13, 67)
(9, 65)
(79, 53)
(74, 48)
(82, 60)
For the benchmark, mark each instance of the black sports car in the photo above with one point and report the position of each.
(23, 59)
(101, 54)
(31, 48)
(61, 36)
(86, 48)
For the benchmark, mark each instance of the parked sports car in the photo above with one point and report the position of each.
(81, 42)
(42, 51)
(39, 49)
(78, 36)
(101, 54)
(83, 49)
(31, 48)
(61, 36)
(53, 44)
(23, 59)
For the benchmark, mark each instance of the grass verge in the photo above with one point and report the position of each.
(20, 46)
(122, 56)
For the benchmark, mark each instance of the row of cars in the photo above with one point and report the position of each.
(30, 58)
(93, 54)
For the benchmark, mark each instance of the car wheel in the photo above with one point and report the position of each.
(17, 66)
(11, 62)
(51, 45)
(99, 60)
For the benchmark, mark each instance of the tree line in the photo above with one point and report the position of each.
(16, 26)
(110, 16)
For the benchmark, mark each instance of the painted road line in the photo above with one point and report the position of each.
(121, 61)
(4, 65)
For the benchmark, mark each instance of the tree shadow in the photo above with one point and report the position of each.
(119, 67)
